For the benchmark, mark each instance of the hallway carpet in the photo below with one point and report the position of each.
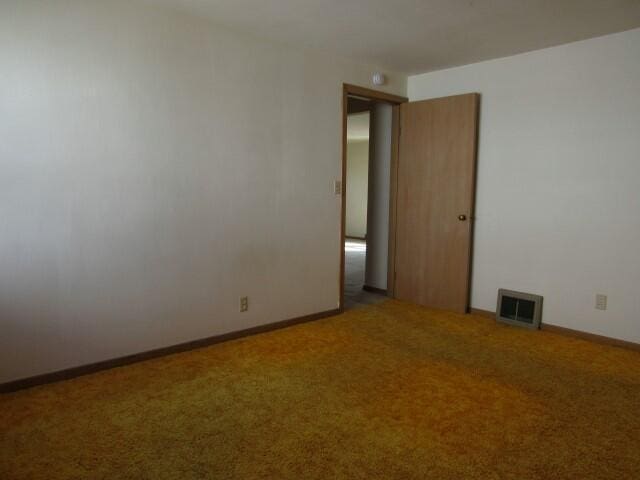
(388, 391)
(355, 257)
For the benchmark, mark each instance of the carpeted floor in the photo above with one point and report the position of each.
(385, 391)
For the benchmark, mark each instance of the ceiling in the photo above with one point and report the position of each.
(413, 36)
(358, 127)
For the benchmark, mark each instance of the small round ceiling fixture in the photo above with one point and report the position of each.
(378, 78)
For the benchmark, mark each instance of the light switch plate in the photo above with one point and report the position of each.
(337, 187)
(244, 304)
(601, 301)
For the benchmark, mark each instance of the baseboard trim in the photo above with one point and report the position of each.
(74, 372)
(482, 313)
(615, 342)
(570, 332)
(368, 288)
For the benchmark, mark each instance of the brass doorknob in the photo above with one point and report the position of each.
(462, 218)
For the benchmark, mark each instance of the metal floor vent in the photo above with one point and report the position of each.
(521, 309)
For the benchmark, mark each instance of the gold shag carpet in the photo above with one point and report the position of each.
(391, 391)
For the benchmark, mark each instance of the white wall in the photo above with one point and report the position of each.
(558, 199)
(155, 169)
(379, 191)
(357, 187)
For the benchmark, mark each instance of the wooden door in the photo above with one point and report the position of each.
(435, 199)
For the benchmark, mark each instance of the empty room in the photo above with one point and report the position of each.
(315, 239)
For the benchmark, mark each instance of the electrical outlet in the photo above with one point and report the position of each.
(244, 304)
(337, 187)
(601, 301)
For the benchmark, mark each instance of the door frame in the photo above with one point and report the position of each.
(394, 101)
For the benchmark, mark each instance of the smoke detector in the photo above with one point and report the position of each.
(378, 78)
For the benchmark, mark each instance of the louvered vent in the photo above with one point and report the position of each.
(518, 308)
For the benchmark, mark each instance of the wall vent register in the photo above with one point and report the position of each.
(520, 309)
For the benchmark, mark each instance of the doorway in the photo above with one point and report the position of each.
(367, 186)
(420, 209)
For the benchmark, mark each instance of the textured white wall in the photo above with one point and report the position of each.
(155, 169)
(357, 186)
(379, 191)
(558, 197)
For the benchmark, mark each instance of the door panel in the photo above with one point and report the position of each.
(435, 199)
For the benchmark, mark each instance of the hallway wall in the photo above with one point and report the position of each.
(357, 188)
(379, 191)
